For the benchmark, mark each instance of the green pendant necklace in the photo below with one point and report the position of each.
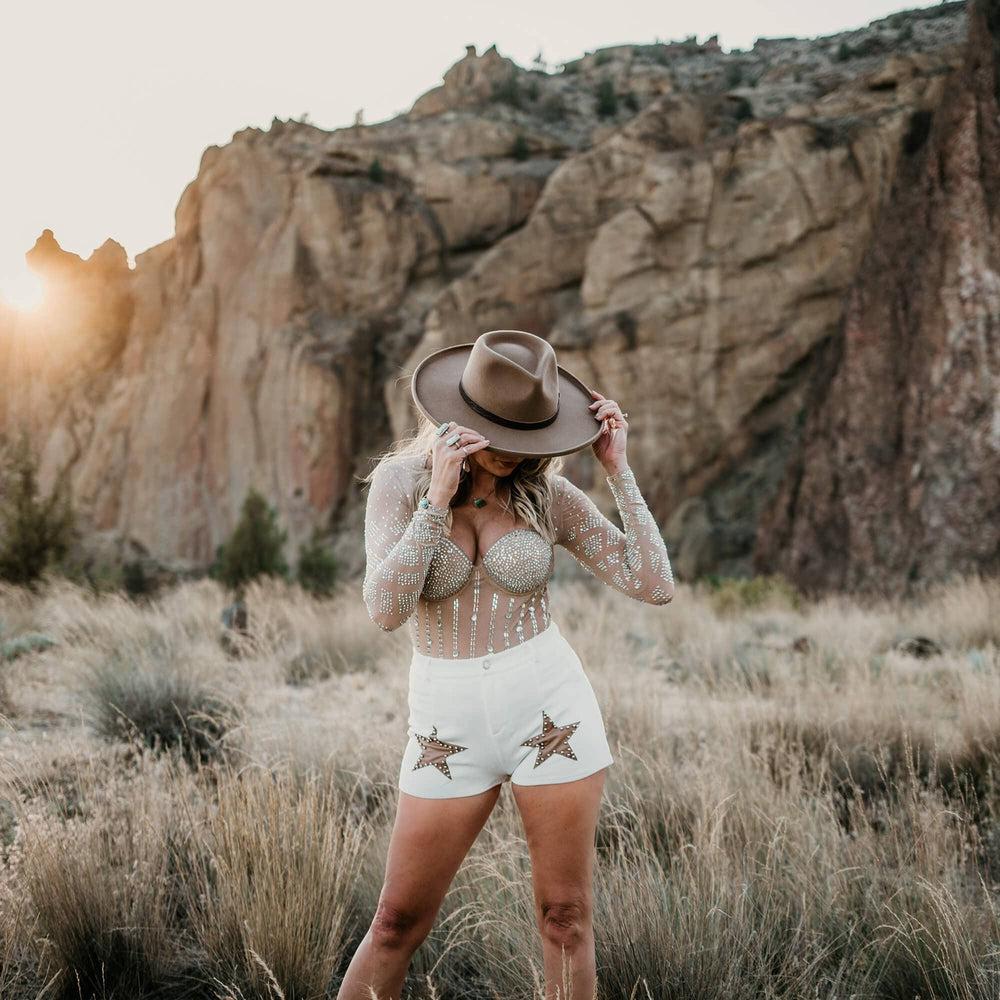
(481, 501)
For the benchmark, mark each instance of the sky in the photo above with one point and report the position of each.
(108, 105)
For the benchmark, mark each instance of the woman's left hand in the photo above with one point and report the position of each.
(610, 445)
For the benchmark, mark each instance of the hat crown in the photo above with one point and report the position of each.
(513, 375)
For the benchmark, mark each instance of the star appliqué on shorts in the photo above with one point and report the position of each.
(435, 752)
(552, 739)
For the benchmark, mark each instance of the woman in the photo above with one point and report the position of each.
(459, 533)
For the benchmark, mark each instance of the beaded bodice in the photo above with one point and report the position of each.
(458, 606)
(519, 561)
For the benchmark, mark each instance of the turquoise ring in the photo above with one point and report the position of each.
(453, 439)
(442, 428)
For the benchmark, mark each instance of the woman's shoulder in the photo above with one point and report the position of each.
(401, 471)
(564, 489)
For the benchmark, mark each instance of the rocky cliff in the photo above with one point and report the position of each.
(898, 476)
(684, 224)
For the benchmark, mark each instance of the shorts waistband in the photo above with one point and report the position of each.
(495, 663)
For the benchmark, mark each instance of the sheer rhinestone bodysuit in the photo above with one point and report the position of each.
(458, 608)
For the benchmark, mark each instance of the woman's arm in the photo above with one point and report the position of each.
(633, 561)
(399, 545)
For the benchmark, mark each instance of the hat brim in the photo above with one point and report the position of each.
(434, 387)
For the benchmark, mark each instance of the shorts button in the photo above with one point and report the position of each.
(486, 664)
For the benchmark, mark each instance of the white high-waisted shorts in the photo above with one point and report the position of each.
(527, 714)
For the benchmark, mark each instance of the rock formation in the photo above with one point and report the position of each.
(898, 476)
(684, 224)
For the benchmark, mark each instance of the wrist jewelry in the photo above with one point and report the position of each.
(424, 504)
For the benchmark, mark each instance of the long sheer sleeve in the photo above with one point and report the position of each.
(635, 561)
(399, 543)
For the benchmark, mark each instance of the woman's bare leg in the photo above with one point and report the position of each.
(430, 839)
(560, 824)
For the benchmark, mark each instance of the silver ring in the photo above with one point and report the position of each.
(465, 450)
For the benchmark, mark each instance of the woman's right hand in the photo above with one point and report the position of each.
(447, 461)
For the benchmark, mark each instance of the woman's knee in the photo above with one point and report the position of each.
(566, 920)
(399, 927)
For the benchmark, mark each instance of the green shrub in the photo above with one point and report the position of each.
(742, 110)
(631, 101)
(520, 150)
(136, 580)
(734, 75)
(21, 645)
(844, 52)
(255, 547)
(607, 100)
(508, 91)
(376, 172)
(149, 696)
(34, 530)
(553, 108)
(317, 568)
(731, 595)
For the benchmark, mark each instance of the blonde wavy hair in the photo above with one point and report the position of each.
(530, 487)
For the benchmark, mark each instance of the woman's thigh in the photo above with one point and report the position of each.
(560, 824)
(429, 840)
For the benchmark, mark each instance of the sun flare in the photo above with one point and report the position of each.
(23, 291)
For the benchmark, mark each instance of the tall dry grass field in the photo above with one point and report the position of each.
(799, 807)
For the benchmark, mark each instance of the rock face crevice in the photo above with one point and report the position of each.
(897, 480)
(685, 225)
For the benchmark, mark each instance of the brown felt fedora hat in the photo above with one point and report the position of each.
(507, 386)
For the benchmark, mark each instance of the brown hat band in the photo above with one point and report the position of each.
(521, 425)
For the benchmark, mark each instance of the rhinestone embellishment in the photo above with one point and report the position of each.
(435, 752)
(552, 739)
(415, 574)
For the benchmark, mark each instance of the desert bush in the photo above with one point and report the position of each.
(135, 580)
(317, 569)
(780, 821)
(35, 530)
(509, 91)
(276, 901)
(731, 595)
(376, 172)
(520, 150)
(21, 645)
(151, 695)
(552, 108)
(255, 548)
(105, 907)
(742, 109)
(607, 100)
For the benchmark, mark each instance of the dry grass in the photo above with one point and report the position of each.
(797, 808)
